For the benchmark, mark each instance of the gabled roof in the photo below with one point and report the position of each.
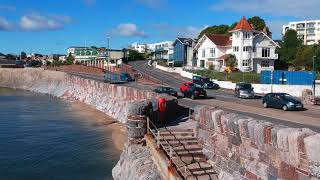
(185, 41)
(243, 25)
(266, 36)
(220, 39)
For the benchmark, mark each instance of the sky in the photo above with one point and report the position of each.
(51, 26)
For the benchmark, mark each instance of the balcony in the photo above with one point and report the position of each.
(259, 55)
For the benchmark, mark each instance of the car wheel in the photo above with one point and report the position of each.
(265, 105)
(285, 107)
(192, 97)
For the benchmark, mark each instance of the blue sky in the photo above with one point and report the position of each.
(51, 26)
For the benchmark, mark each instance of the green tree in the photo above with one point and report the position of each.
(317, 58)
(10, 57)
(303, 58)
(257, 22)
(216, 29)
(23, 55)
(231, 61)
(288, 49)
(69, 60)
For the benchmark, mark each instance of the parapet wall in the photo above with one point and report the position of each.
(245, 148)
(116, 101)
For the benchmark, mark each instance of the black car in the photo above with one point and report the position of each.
(166, 90)
(281, 100)
(193, 92)
(205, 83)
(244, 90)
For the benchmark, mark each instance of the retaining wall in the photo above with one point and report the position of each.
(245, 148)
(294, 90)
(116, 101)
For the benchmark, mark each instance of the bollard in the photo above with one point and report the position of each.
(136, 127)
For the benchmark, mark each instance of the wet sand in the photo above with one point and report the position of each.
(117, 129)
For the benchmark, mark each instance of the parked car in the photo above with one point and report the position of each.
(244, 90)
(126, 77)
(205, 83)
(112, 78)
(281, 100)
(192, 91)
(166, 90)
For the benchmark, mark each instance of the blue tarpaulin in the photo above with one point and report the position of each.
(288, 77)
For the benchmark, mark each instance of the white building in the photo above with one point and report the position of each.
(308, 31)
(254, 50)
(163, 50)
(141, 48)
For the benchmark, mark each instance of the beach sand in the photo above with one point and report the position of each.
(99, 118)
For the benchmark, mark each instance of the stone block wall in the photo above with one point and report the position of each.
(116, 101)
(245, 148)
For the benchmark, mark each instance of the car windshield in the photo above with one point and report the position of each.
(206, 80)
(167, 89)
(126, 74)
(245, 86)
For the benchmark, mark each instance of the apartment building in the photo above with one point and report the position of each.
(163, 50)
(141, 48)
(183, 51)
(308, 31)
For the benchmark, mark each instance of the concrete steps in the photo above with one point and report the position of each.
(187, 154)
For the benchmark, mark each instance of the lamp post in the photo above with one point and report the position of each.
(314, 80)
(108, 54)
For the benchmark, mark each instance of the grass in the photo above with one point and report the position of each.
(318, 76)
(250, 77)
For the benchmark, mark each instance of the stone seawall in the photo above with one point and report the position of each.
(116, 101)
(245, 148)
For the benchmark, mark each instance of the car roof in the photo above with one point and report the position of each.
(278, 93)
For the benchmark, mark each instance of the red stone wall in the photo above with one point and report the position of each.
(245, 148)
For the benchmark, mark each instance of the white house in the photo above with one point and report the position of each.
(254, 50)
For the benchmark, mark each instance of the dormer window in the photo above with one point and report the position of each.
(246, 35)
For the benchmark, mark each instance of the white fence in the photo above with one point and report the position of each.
(294, 90)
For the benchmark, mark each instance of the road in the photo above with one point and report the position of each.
(225, 100)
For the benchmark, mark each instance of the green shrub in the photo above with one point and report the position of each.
(250, 77)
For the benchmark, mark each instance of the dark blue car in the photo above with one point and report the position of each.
(126, 77)
(282, 101)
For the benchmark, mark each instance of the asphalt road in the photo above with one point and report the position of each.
(225, 100)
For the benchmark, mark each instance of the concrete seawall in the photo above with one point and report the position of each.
(116, 101)
(245, 148)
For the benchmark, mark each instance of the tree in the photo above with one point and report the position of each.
(10, 57)
(216, 29)
(317, 58)
(23, 55)
(257, 23)
(231, 61)
(69, 60)
(288, 49)
(303, 58)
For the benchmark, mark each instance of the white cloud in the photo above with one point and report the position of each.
(36, 22)
(90, 2)
(5, 25)
(170, 31)
(155, 4)
(7, 8)
(128, 30)
(300, 9)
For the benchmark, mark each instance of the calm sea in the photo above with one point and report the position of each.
(44, 138)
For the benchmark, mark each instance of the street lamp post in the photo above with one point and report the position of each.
(314, 80)
(108, 54)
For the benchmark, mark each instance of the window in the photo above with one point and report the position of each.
(265, 52)
(246, 48)
(246, 35)
(235, 48)
(212, 52)
(265, 64)
(203, 53)
(246, 62)
(237, 34)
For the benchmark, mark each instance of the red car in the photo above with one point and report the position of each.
(190, 90)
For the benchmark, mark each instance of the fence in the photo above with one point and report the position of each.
(288, 77)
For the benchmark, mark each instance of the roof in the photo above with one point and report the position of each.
(243, 25)
(220, 39)
(185, 41)
(223, 57)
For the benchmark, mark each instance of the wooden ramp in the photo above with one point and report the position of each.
(185, 152)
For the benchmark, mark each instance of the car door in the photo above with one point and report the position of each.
(277, 101)
(271, 100)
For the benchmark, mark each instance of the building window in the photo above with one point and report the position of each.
(212, 52)
(235, 48)
(237, 34)
(246, 35)
(246, 62)
(265, 64)
(265, 52)
(246, 48)
(203, 53)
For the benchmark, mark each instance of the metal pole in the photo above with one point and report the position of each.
(271, 81)
(108, 53)
(314, 80)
